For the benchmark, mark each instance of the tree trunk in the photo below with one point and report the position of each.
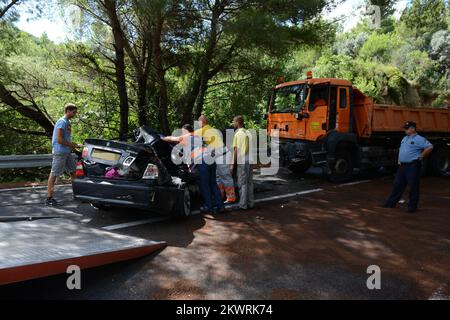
(200, 85)
(160, 78)
(122, 92)
(31, 113)
(188, 101)
(201, 97)
(119, 47)
(142, 100)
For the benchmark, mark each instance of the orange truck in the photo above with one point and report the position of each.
(328, 123)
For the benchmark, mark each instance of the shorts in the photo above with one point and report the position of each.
(63, 162)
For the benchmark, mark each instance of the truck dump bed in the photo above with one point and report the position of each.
(371, 119)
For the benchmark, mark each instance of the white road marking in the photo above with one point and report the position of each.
(289, 195)
(197, 212)
(134, 223)
(352, 183)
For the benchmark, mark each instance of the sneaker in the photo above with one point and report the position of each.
(51, 202)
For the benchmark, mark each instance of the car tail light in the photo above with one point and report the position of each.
(79, 172)
(85, 152)
(151, 172)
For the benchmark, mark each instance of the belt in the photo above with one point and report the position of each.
(409, 163)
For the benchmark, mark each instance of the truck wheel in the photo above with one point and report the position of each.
(391, 169)
(440, 162)
(183, 208)
(342, 169)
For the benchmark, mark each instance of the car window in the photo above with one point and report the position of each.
(289, 99)
(319, 96)
(343, 98)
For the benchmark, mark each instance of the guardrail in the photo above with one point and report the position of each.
(25, 161)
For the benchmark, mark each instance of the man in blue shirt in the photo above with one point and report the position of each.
(62, 148)
(413, 149)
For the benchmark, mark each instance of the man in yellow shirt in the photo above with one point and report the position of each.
(241, 162)
(212, 201)
(213, 139)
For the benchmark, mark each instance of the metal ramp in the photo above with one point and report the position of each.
(41, 248)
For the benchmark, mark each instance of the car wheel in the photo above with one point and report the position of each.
(183, 208)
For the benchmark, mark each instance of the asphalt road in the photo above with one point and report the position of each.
(317, 245)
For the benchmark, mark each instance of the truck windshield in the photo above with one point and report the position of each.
(289, 99)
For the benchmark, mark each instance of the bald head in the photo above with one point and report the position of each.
(203, 120)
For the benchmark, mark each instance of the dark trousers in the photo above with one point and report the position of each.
(208, 186)
(407, 174)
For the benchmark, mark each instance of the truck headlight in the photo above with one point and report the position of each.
(151, 172)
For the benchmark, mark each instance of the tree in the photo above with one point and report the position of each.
(379, 47)
(15, 93)
(198, 41)
(350, 45)
(6, 7)
(425, 17)
(110, 9)
(440, 48)
(236, 29)
(387, 7)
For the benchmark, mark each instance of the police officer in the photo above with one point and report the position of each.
(413, 149)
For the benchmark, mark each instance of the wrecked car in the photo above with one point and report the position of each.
(138, 175)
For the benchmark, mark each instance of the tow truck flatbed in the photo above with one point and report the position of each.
(41, 248)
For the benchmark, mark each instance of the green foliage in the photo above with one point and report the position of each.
(406, 64)
(425, 17)
(379, 47)
(350, 44)
(416, 66)
(440, 48)
(39, 72)
(439, 102)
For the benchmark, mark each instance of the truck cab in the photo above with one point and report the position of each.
(308, 109)
(306, 112)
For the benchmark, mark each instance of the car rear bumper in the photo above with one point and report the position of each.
(134, 194)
